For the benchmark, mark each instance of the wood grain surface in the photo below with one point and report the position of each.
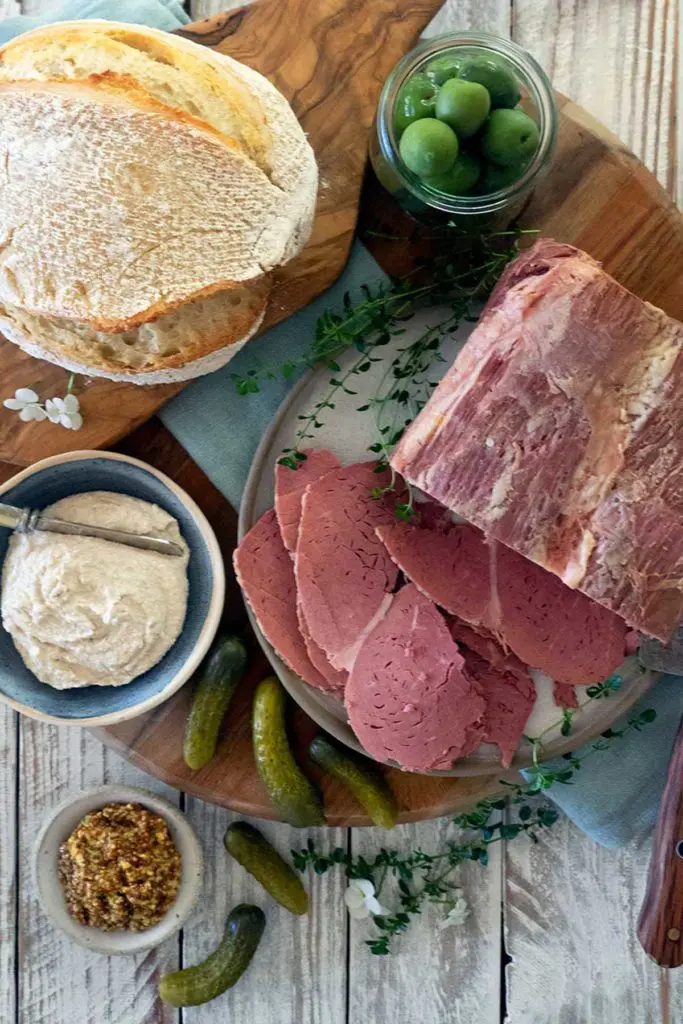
(334, 69)
(569, 906)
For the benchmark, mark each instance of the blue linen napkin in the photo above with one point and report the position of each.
(616, 795)
(164, 14)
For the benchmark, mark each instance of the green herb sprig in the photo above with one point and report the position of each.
(458, 282)
(420, 878)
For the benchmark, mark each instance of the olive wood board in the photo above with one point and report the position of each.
(330, 59)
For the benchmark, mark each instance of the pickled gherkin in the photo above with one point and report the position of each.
(224, 967)
(253, 851)
(293, 794)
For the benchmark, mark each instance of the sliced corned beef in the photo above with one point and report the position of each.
(266, 575)
(509, 698)
(290, 485)
(529, 610)
(559, 431)
(344, 575)
(408, 697)
(564, 695)
(336, 678)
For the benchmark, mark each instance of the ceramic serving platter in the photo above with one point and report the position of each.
(349, 433)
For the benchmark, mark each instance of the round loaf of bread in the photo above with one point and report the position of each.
(150, 187)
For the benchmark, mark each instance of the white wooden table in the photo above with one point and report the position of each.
(551, 937)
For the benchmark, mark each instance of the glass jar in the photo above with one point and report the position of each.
(476, 210)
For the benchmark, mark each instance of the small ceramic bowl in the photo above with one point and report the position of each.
(57, 477)
(59, 827)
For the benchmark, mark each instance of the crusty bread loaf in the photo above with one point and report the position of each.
(146, 179)
(196, 338)
(181, 79)
(95, 230)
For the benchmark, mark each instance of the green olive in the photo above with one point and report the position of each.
(463, 105)
(510, 137)
(442, 68)
(494, 177)
(495, 76)
(428, 147)
(460, 179)
(416, 99)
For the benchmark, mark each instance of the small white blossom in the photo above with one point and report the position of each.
(27, 404)
(361, 901)
(65, 411)
(458, 913)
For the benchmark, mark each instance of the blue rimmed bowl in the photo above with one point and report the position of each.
(73, 473)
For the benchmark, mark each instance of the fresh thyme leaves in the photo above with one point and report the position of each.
(456, 283)
(418, 878)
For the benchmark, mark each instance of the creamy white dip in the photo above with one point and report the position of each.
(88, 612)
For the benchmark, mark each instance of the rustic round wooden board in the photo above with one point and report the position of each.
(597, 196)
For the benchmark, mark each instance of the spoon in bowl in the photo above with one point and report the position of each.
(26, 520)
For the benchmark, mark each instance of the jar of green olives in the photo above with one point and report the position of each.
(465, 125)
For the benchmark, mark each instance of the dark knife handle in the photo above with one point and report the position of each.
(660, 926)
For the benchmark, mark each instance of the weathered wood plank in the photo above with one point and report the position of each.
(205, 8)
(8, 866)
(618, 60)
(436, 976)
(299, 971)
(571, 909)
(58, 981)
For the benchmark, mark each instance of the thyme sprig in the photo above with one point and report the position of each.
(457, 282)
(419, 878)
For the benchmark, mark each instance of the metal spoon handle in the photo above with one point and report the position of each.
(133, 540)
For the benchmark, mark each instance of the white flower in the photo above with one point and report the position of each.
(458, 913)
(361, 901)
(27, 404)
(65, 411)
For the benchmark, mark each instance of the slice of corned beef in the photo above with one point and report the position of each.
(344, 575)
(559, 431)
(529, 610)
(335, 678)
(509, 698)
(266, 575)
(564, 695)
(487, 647)
(290, 485)
(408, 697)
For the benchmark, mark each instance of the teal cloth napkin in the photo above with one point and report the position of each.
(616, 795)
(165, 14)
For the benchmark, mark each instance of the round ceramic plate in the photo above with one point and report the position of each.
(348, 433)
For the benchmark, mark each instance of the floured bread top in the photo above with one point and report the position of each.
(93, 230)
(141, 172)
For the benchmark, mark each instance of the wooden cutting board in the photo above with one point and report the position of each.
(330, 59)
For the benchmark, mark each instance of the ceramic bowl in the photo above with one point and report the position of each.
(54, 478)
(59, 827)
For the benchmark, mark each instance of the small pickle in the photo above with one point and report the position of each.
(359, 776)
(224, 967)
(294, 796)
(218, 679)
(253, 851)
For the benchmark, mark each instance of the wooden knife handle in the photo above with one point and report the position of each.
(660, 927)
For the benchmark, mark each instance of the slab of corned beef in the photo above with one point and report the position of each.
(290, 485)
(528, 610)
(335, 678)
(408, 697)
(266, 575)
(344, 575)
(559, 431)
(509, 697)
